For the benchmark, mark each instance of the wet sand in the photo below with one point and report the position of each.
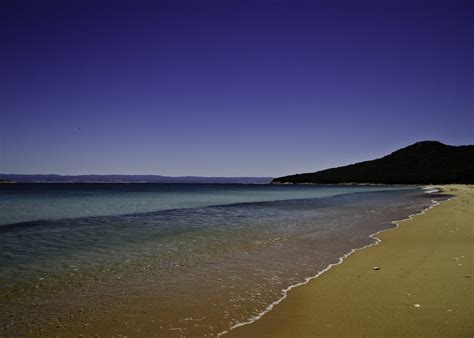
(423, 285)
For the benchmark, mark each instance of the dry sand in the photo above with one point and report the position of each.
(424, 285)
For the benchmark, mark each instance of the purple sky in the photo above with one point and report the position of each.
(229, 88)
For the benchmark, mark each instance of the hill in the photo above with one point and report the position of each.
(427, 162)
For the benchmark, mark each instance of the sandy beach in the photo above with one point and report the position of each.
(417, 282)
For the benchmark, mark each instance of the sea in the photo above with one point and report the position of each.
(175, 260)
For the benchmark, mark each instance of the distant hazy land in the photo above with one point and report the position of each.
(427, 162)
(18, 178)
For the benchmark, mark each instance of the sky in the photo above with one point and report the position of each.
(229, 88)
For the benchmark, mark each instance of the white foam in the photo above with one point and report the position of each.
(431, 189)
(340, 260)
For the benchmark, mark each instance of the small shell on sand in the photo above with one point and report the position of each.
(376, 268)
(416, 305)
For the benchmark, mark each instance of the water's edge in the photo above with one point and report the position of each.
(95, 274)
(284, 293)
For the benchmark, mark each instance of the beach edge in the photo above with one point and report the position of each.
(246, 328)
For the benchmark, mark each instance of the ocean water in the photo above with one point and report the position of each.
(173, 260)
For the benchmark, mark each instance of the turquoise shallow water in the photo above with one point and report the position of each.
(219, 253)
(28, 202)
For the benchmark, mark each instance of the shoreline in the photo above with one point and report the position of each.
(426, 189)
(143, 313)
(144, 298)
(248, 330)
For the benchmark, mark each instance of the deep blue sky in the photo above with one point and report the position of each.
(229, 88)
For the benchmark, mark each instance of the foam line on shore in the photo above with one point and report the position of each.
(430, 189)
(340, 260)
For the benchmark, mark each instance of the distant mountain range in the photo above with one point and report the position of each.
(427, 162)
(17, 178)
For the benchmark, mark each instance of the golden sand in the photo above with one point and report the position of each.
(423, 287)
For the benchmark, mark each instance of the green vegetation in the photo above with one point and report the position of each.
(427, 162)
